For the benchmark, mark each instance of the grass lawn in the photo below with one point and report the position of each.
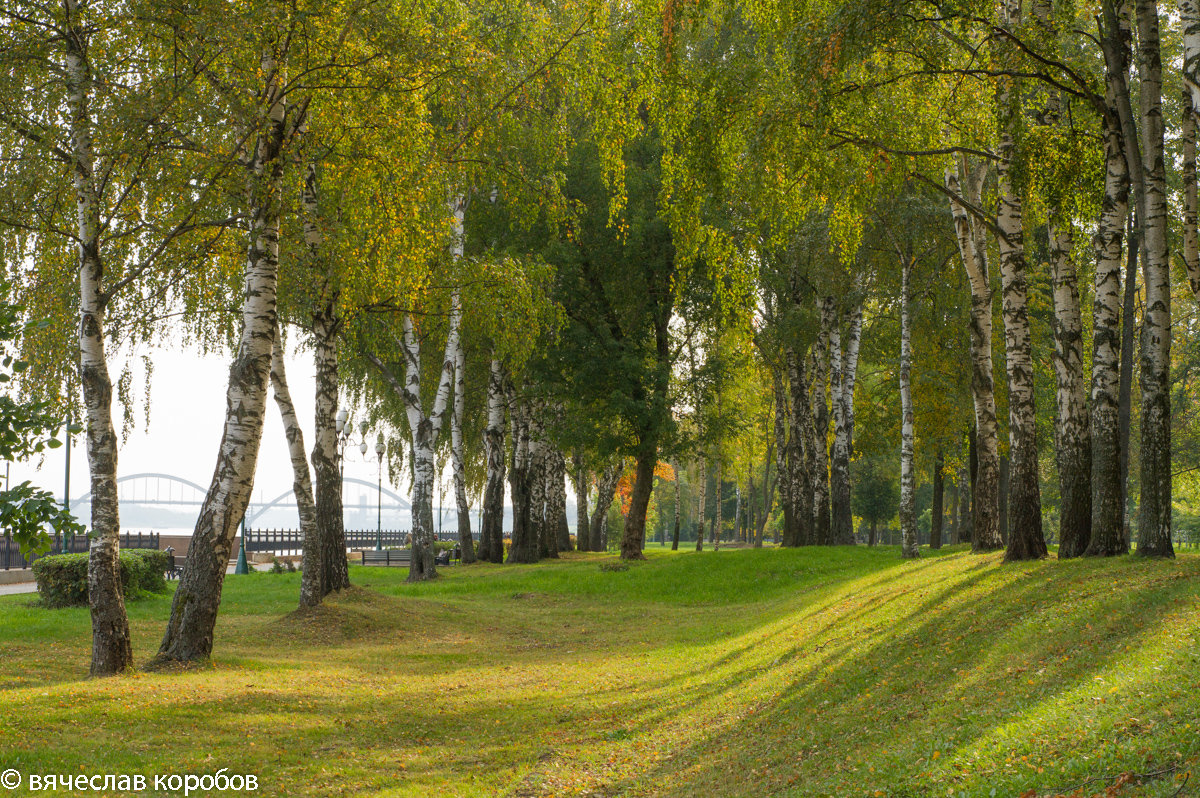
(740, 673)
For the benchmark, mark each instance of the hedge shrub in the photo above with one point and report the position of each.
(62, 578)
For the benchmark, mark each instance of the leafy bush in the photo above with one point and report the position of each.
(152, 578)
(62, 579)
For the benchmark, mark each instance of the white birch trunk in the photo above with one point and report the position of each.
(189, 634)
(605, 489)
(311, 591)
(701, 520)
(820, 413)
(491, 536)
(1108, 513)
(1154, 509)
(465, 540)
(986, 535)
(112, 650)
(1025, 540)
(842, 531)
(1189, 17)
(908, 517)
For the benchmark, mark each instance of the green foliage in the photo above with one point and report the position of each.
(62, 579)
(27, 427)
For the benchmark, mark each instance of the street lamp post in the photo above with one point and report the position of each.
(345, 431)
(380, 449)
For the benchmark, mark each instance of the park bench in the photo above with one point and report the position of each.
(387, 557)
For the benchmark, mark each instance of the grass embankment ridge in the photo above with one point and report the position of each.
(773, 672)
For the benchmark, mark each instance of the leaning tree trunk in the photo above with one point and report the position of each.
(700, 517)
(580, 479)
(908, 518)
(633, 540)
(1108, 511)
(939, 493)
(310, 578)
(112, 649)
(986, 535)
(1025, 542)
(466, 541)
(1154, 507)
(189, 634)
(605, 489)
(491, 535)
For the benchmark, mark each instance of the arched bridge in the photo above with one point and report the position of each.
(167, 490)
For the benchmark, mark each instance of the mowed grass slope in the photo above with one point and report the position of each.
(739, 673)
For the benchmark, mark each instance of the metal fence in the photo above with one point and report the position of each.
(11, 557)
(283, 541)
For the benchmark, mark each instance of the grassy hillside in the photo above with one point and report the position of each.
(803, 672)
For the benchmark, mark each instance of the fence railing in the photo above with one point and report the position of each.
(282, 541)
(11, 557)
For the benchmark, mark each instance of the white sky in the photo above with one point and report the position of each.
(186, 417)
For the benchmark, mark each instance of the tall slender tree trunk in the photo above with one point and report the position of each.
(1072, 441)
(1025, 542)
(783, 458)
(718, 522)
(310, 581)
(965, 523)
(937, 510)
(538, 456)
(908, 517)
(700, 517)
(324, 568)
(842, 529)
(329, 566)
(798, 441)
(986, 536)
(678, 498)
(1154, 507)
(112, 649)
(953, 528)
(189, 634)
(1003, 523)
(1072, 433)
(524, 547)
(606, 487)
(466, 540)
(1108, 511)
(556, 500)
(580, 479)
(1189, 13)
(491, 535)
(820, 414)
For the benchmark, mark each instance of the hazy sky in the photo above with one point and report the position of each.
(186, 415)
